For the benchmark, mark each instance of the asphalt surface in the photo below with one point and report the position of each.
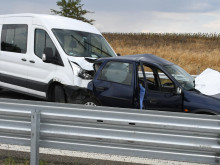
(64, 157)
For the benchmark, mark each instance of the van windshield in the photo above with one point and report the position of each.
(83, 44)
(184, 78)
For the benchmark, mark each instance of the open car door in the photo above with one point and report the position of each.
(160, 90)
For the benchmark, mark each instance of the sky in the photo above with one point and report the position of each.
(150, 16)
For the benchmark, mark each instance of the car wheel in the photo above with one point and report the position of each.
(91, 102)
(59, 94)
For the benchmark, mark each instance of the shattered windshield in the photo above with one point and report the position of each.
(83, 44)
(184, 78)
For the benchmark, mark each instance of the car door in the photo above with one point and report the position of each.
(14, 55)
(114, 84)
(160, 90)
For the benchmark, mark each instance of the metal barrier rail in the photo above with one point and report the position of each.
(129, 132)
(162, 75)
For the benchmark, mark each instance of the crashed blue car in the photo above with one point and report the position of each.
(168, 87)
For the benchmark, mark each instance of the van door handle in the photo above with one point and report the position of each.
(31, 61)
(23, 59)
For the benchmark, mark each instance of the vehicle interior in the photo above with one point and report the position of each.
(156, 80)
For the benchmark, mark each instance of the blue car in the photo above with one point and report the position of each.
(119, 82)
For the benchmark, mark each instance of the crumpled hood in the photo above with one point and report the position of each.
(82, 62)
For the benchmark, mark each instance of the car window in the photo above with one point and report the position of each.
(156, 79)
(118, 72)
(166, 84)
(100, 47)
(151, 80)
(42, 40)
(14, 38)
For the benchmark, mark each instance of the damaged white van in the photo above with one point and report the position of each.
(49, 56)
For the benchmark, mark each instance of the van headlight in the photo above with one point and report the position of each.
(85, 74)
(78, 71)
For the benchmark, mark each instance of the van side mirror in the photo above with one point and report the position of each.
(118, 54)
(178, 91)
(47, 57)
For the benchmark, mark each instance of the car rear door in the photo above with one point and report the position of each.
(114, 85)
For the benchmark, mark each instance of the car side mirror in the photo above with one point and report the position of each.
(118, 54)
(47, 56)
(178, 91)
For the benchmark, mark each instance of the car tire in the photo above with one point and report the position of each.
(59, 94)
(91, 102)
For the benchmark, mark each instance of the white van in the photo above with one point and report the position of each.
(49, 56)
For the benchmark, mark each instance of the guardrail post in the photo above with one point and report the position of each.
(217, 160)
(35, 131)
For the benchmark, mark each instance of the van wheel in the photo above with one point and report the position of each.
(59, 94)
(91, 102)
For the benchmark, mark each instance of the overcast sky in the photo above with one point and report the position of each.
(173, 16)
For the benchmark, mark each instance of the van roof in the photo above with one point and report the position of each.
(56, 22)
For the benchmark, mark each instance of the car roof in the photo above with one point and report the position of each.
(148, 58)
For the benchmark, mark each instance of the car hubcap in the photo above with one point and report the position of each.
(90, 104)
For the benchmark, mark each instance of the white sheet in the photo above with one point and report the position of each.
(208, 82)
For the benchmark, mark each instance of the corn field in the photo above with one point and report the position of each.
(193, 52)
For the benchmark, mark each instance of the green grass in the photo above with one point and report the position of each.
(14, 161)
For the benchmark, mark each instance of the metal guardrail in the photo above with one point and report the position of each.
(128, 132)
(162, 75)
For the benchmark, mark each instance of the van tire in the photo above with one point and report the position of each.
(91, 102)
(59, 94)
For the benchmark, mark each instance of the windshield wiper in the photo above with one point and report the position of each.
(78, 41)
(96, 54)
(99, 49)
(92, 46)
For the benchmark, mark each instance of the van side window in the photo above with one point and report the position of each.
(14, 38)
(41, 41)
(118, 72)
